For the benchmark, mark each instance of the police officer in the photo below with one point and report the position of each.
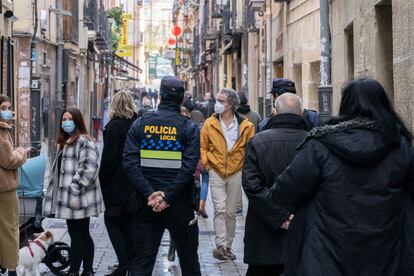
(279, 87)
(160, 156)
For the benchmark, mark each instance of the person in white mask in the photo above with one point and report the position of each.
(10, 160)
(223, 139)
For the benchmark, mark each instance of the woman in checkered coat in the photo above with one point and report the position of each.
(74, 192)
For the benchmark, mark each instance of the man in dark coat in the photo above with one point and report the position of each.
(267, 155)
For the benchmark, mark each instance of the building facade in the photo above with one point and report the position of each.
(374, 38)
(282, 39)
(63, 58)
(7, 52)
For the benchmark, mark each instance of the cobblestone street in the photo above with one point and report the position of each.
(105, 256)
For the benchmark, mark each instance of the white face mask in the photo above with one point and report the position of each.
(219, 108)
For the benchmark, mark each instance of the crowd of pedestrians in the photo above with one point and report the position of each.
(331, 197)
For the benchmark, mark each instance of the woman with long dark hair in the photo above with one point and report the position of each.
(118, 194)
(350, 184)
(74, 192)
(10, 160)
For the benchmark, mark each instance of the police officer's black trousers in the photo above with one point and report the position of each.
(150, 227)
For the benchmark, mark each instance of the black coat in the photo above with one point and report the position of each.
(350, 188)
(267, 155)
(116, 189)
(311, 118)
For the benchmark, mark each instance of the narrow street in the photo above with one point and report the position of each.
(303, 107)
(105, 255)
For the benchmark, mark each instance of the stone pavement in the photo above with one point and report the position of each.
(105, 256)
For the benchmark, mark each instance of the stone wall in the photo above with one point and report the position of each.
(403, 42)
(302, 55)
(372, 38)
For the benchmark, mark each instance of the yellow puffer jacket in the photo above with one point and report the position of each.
(214, 154)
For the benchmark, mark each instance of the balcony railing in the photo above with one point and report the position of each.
(96, 20)
(90, 14)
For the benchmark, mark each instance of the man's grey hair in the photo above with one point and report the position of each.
(232, 97)
(289, 103)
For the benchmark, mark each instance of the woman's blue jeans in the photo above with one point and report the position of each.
(204, 186)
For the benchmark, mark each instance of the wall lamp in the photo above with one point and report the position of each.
(10, 16)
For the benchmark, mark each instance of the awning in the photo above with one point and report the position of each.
(127, 63)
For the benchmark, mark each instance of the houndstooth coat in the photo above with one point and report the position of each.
(74, 192)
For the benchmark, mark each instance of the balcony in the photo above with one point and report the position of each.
(256, 5)
(211, 34)
(103, 34)
(96, 21)
(90, 14)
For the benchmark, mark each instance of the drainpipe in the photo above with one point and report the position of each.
(268, 51)
(35, 135)
(325, 87)
(59, 58)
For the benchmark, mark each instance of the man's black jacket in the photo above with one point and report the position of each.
(311, 118)
(267, 155)
(161, 153)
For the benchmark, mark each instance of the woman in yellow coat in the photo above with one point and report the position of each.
(10, 160)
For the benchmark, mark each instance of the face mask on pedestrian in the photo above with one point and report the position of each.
(68, 126)
(219, 107)
(6, 115)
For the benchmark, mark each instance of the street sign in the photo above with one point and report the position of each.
(170, 54)
(152, 67)
(124, 46)
(34, 55)
(177, 56)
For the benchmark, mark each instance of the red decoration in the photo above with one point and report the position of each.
(176, 30)
(171, 41)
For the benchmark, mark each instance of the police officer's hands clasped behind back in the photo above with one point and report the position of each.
(160, 157)
(157, 202)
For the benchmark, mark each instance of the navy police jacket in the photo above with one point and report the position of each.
(161, 153)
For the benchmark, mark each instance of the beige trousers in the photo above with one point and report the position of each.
(9, 230)
(225, 194)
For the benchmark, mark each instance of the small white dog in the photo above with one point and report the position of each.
(32, 255)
